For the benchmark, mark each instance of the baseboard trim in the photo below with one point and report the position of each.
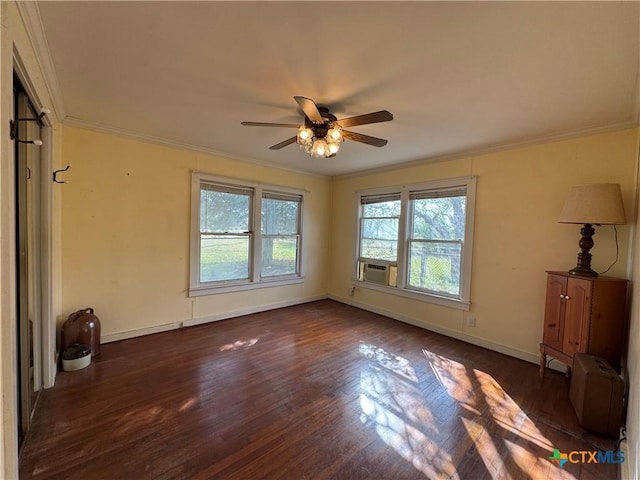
(496, 347)
(139, 332)
(480, 342)
(250, 310)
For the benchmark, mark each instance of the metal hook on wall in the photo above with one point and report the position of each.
(56, 172)
(14, 125)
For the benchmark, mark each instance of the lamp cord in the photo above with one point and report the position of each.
(617, 252)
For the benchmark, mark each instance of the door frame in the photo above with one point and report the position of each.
(44, 328)
(45, 233)
(17, 55)
(33, 329)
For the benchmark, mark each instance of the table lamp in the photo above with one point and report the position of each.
(595, 204)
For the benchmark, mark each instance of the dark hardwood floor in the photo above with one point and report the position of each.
(316, 391)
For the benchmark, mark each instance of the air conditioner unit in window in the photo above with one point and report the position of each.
(378, 271)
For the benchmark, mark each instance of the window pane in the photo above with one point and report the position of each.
(379, 238)
(380, 228)
(280, 217)
(223, 212)
(379, 249)
(381, 209)
(279, 256)
(439, 218)
(224, 258)
(435, 266)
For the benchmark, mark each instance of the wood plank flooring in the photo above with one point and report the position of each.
(316, 391)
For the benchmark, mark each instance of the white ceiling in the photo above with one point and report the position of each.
(459, 77)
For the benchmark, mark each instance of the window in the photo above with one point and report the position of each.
(280, 234)
(225, 233)
(379, 220)
(436, 239)
(235, 248)
(415, 240)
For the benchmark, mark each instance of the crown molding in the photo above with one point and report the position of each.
(35, 31)
(120, 132)
(498, 147)
(483, 150)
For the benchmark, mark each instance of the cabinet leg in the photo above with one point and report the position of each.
(543, 361)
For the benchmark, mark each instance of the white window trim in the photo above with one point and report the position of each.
(463, 301)
(196, 288)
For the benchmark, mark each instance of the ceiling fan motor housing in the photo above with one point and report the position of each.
(320, 129)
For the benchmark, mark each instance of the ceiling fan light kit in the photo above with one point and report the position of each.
(320, 140)
(322, 133)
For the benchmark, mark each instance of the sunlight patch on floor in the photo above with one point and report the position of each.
(453, 378)
(407, 440)
(237, 345)
(392, 362)
(483, 442)
(499, 412)
(498, 431)
(394, 407)
(536, 466)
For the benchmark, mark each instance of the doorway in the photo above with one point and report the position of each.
(28, 168)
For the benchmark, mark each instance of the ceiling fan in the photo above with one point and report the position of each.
(322, 133)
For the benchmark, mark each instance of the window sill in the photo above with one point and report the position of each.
(423, 297)
(239, 287)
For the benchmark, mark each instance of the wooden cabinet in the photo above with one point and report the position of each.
(583, 314)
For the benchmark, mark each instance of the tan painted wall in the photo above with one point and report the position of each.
(126, 217)
(520, 194)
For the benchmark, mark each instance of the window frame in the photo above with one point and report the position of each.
(248, 234)
(462, 300)
(287, 197)
(361, 221)
(255, 280)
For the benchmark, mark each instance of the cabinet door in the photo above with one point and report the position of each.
(577, 315)
(554, 311)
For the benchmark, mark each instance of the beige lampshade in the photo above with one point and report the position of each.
(597, 204)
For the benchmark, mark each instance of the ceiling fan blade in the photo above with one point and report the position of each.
(310, 109)
(280, 145)
(265, 124)
(359, 137)
(374, 117)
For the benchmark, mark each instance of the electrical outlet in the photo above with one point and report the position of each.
(352, 291)
(471, 321)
